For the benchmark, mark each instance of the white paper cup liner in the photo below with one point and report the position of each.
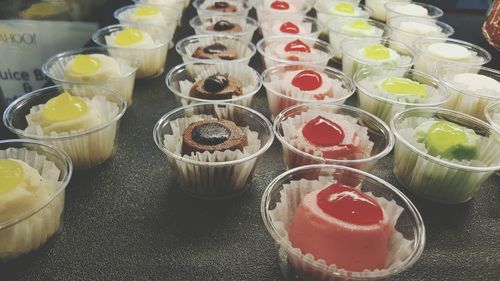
(242, 50)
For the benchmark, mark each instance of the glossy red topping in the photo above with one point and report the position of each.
(307, 80)
(280, 5)
(349, 204)
(297, 46)
(289, 27)
(323, 132)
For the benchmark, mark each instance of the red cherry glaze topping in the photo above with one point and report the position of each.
(349, 205)
(289, 27)
(297, 46)
(280, 5)
(323, 132)
(307, 80)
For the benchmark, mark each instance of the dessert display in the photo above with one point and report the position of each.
(366, 53)
(272, 9)
(298, 25)
(470, 91)
(333, 11)
(298, 84)
(444, 155)
(165, 17)
(413, 9)
(293, 49)
(213, 149)
(31, 195)
(241, 27)
(147, 45)
(83, 124)
(90, 67)
(328, 229)
(406, 29)
(378, 8)
(217, 7)
(491, 27)
(431, 52)
(387, 91)
(334, 134)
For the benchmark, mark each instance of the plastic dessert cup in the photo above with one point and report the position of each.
(188, 45)
(404, 36)
(492, 113)
(378, 133)
(180, 79)
(378, 7)
(308, 26)
(55, 66)
(30, 230)
(321, 52)
(391, 7)
(242, 6)
(435, 178)
(324, 16)
(337, 36)
(86, 148)
(169, 16)
(279, 98)
(429, 63)
(248, 25)
(296, 265)
(352, 60)
(465, 100)
(176, 4)
(212, 179)
(385, 108)
(151, 59)
(266, 13)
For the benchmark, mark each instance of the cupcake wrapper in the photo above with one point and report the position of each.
(206, 181)
(31, 233)
(429, 64)
(243, 73)
(86, 150)
(350, 66)
(284, 212)
(468, 104)
(169, 25)
(434, 181)
(124, 85)
(241, 49)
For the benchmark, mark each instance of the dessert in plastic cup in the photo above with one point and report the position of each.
(198, 82)
(492, 113)
(413, 9)
(349, 28)
(213, 149)
(222, 48)
(240, 27)
(288, 85)
(443, 155)
(82, 122)
(146, 44)
(387, 91)
(369, 52)
(90, 67)
(340, 9)
(406, 29)
(176, 4)
(378, 7)
(471, 90)
(222, 7)
(34, 177)
(297, 25)
(432, 52)
(269, 9)
(332, 134)
(294, 49)
(165, 17)
(369, 230)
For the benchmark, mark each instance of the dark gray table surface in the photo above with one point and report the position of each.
(126, 220)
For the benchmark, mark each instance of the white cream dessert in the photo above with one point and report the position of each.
(92, 67)
(418, 28)
(147, 14)
(477, 83)
(411, 10)
(340, 31)
(360, 28)
(449, 51)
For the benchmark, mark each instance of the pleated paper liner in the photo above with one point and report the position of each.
(308, 26)
(202, 23)
(171, 16)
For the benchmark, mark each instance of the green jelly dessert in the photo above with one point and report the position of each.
(403, 86)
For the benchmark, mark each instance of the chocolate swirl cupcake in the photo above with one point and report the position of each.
(225, 26)
(217, 87)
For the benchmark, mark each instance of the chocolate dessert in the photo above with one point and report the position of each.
(217, 87)
(221, 6)
(225, 26)
(212, 135)
(215, 51)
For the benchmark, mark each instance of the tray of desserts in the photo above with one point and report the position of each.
(258, 140)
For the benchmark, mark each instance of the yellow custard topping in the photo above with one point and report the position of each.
(11, 175)
(146, 11)
(85, 64)
(64, 107)
(403, 86)
(376, 52)
(359, 25)
(344, 7)
(128, 36)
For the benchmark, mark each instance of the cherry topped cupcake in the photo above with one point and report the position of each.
(237, 26)
(268, 9)
(297, 25)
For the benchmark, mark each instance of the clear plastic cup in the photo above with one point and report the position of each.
(378, 7)
(296, 9)
(151, 59)
(176, 4)
(324, 14)
(32, 228)
(378, 133)
(391, 10)
(187, 46)
(242, 7)
(86, 148)
(212, 179)
(492, 113)
(463, 99)
(202, 24)
(371, 100)
(352, 61)
(320, 54)
(295, 265)
(281, 94)
(407, 37)
(338, 34)
(55, 67)
(179, 81)
(435, 178)
(167, 18)
(429, 63)
(308, 26)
